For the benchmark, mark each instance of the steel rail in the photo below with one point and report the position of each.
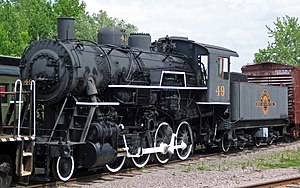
(275, 183)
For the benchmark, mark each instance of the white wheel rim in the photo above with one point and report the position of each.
(223, 147)
(138, 164)
(118, 168)
(242, 146)
(271, 141)
(155, 144)
(58, 171)
(257, 143)
(190, 146)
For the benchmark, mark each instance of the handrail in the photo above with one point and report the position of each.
(19, 101)
(32, 88)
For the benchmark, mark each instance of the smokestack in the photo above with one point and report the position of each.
(65, 28)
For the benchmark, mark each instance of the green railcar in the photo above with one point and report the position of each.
(9, 72)
(16, 138)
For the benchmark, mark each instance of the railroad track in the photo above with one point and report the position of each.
(287, 182)
(101, 176)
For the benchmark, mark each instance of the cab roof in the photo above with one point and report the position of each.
(201, 47)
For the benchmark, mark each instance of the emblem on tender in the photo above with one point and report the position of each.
(265, 102)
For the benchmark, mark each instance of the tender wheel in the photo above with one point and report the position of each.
(184, 134)
(257, 142)
(5, 171)
(224, 144)
(63, 168)
(241, 145)
(141, 161)
(163, 135)
(270, 141)
(117, 164)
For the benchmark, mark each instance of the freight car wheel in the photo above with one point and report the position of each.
(184, 134)
(117, 164)
(163, 135)
(63, 168)
(5, 171)
(224, 144)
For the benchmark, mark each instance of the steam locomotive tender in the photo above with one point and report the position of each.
(99, 104)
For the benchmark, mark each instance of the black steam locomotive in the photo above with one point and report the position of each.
(100, 103)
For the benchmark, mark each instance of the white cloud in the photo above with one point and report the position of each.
(235, 24)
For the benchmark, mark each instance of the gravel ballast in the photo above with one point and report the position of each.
(192, 174)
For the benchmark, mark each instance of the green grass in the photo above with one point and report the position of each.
(188, 168)
(282, 159)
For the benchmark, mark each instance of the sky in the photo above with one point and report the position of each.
(239, 25)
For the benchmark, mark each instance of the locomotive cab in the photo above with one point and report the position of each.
(219, 75)
(218, 62)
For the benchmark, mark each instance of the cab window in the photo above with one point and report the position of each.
(203, 66)
(223, 68)
(3, 88)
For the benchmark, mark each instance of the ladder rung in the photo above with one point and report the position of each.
(81, 116)
(18, 102)
(76, 128)
(12, 126)
(25, 173)
(26, 154)
(8, 126)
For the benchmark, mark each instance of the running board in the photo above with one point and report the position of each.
(97, 103)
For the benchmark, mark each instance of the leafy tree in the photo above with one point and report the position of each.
(14, 35)
(286, 46)
(103, 20)
(87, 26)
(40, 17)
(24, 21)
(68, 8)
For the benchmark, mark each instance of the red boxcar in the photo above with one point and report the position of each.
(268, 73)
